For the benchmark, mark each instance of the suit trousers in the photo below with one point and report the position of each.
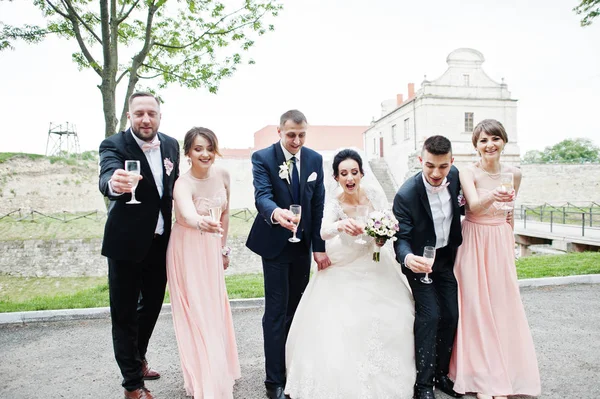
(137, 291)
(436, 317)
(285, 277)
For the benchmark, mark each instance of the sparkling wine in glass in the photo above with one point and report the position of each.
(362, 213)
(215, 215)
(297, 211)
(133, 168)
(506, 186)
(429, 255)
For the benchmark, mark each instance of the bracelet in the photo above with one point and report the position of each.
(226, 251)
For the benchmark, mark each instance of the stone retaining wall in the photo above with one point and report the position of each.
(78, 258)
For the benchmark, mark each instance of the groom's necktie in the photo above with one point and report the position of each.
(295, 182)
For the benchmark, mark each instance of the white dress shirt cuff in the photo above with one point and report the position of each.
(407, 255)
(273, 221)
(111, 191)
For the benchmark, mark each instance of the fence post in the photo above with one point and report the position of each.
(582, 224)
(551, 220)
(591, 216)
(525, 219)
(564, 216)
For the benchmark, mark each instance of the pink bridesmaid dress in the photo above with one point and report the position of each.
(200, 306)
(493, 352)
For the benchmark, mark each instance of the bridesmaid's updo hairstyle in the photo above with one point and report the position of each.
(491, 127)
(342, 156)
(208, 134)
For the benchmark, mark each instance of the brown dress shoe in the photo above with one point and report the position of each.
(140, 393)
(148, 373)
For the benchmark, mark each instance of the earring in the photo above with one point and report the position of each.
(189, 161)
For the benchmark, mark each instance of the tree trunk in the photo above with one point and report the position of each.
(133, 79)
(108, 106)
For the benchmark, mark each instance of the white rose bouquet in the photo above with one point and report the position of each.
(383, 226)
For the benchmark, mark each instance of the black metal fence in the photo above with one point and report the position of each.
(573, 214)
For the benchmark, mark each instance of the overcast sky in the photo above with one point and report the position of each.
(336, 60)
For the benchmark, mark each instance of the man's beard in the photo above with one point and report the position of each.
(139, 136)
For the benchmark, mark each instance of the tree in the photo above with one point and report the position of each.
(187, 42)
(590, 9)
(532, 156)
(571, 150)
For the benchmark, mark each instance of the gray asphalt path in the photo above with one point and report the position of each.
(74, 359)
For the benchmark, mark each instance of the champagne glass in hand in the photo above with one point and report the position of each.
(429, 255)
(215, 215)
(506, 186)
(297, 211)
(133, 168)
(362, 212)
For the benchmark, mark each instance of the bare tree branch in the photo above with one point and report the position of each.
(125, 72)
(123, 17)
(74, 12)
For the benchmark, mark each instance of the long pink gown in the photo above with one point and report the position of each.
(493, 352)
(200, 306)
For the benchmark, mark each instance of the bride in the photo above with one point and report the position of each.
(352, 335)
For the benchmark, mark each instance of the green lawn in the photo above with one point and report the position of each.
(38, 227)
(559, 265)
(23, 294)
(19, 294)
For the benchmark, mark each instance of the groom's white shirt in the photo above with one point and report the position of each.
(441, 212)
(288, 155)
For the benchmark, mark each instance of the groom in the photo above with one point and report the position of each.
(428, 211)
(286, 173)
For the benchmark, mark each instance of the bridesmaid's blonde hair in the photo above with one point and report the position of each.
(491, 127)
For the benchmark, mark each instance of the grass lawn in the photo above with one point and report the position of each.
(26, 293)
(92, 226)
(19, 294)
(559, 265)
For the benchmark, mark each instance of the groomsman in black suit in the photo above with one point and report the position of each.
(428, 211)
(136, 235)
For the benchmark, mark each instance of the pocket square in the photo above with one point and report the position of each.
(312, 177)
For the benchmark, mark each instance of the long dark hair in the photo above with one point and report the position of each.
(342, 156)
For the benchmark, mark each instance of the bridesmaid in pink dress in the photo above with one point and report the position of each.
(493, 354)
(196, 259)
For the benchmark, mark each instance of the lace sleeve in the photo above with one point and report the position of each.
(377, 198)
(329, 225)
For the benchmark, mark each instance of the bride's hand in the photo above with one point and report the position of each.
(350, 227)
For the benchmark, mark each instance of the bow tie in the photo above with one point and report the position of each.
(150, 146)
(437, 189)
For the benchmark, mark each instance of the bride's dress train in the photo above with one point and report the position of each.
(352, 335)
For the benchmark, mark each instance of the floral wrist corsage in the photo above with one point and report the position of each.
(226, 251)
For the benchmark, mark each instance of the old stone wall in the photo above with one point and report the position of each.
(78, 258)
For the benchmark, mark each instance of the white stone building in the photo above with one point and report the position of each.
(450, 106)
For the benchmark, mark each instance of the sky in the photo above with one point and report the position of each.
(336, 60)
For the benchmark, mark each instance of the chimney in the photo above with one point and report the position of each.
(411, 90)
(399, 99)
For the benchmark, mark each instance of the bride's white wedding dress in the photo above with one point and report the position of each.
(352, 334)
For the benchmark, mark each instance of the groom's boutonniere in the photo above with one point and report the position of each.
(284, 170)
(168, 166)
(461, 199)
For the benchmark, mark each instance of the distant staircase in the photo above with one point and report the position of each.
(382, 173)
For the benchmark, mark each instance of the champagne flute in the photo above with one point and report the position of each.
(429, 255)
(297, 211)
(133, 168)
(362, 212)
(506, 186)
(215, 215)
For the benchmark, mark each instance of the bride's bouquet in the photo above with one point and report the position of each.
(383, 226)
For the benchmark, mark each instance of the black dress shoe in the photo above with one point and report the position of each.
(275, 393)
(424, 393)
(446, 385)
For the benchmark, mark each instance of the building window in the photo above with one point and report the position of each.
(407, 129)
(468, 122)
(466, 80)
(393, 134)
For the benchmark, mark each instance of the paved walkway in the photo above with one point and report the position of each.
(74, 359)
(569, 232)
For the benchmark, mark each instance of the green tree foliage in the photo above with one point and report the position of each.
(590, 9)
(193, 43)
(567, 151)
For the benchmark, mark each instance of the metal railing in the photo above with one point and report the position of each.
(568, 214)
(31, 215)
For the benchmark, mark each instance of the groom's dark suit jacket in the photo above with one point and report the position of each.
(130, 229)
(271, 191)
(411, 208)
